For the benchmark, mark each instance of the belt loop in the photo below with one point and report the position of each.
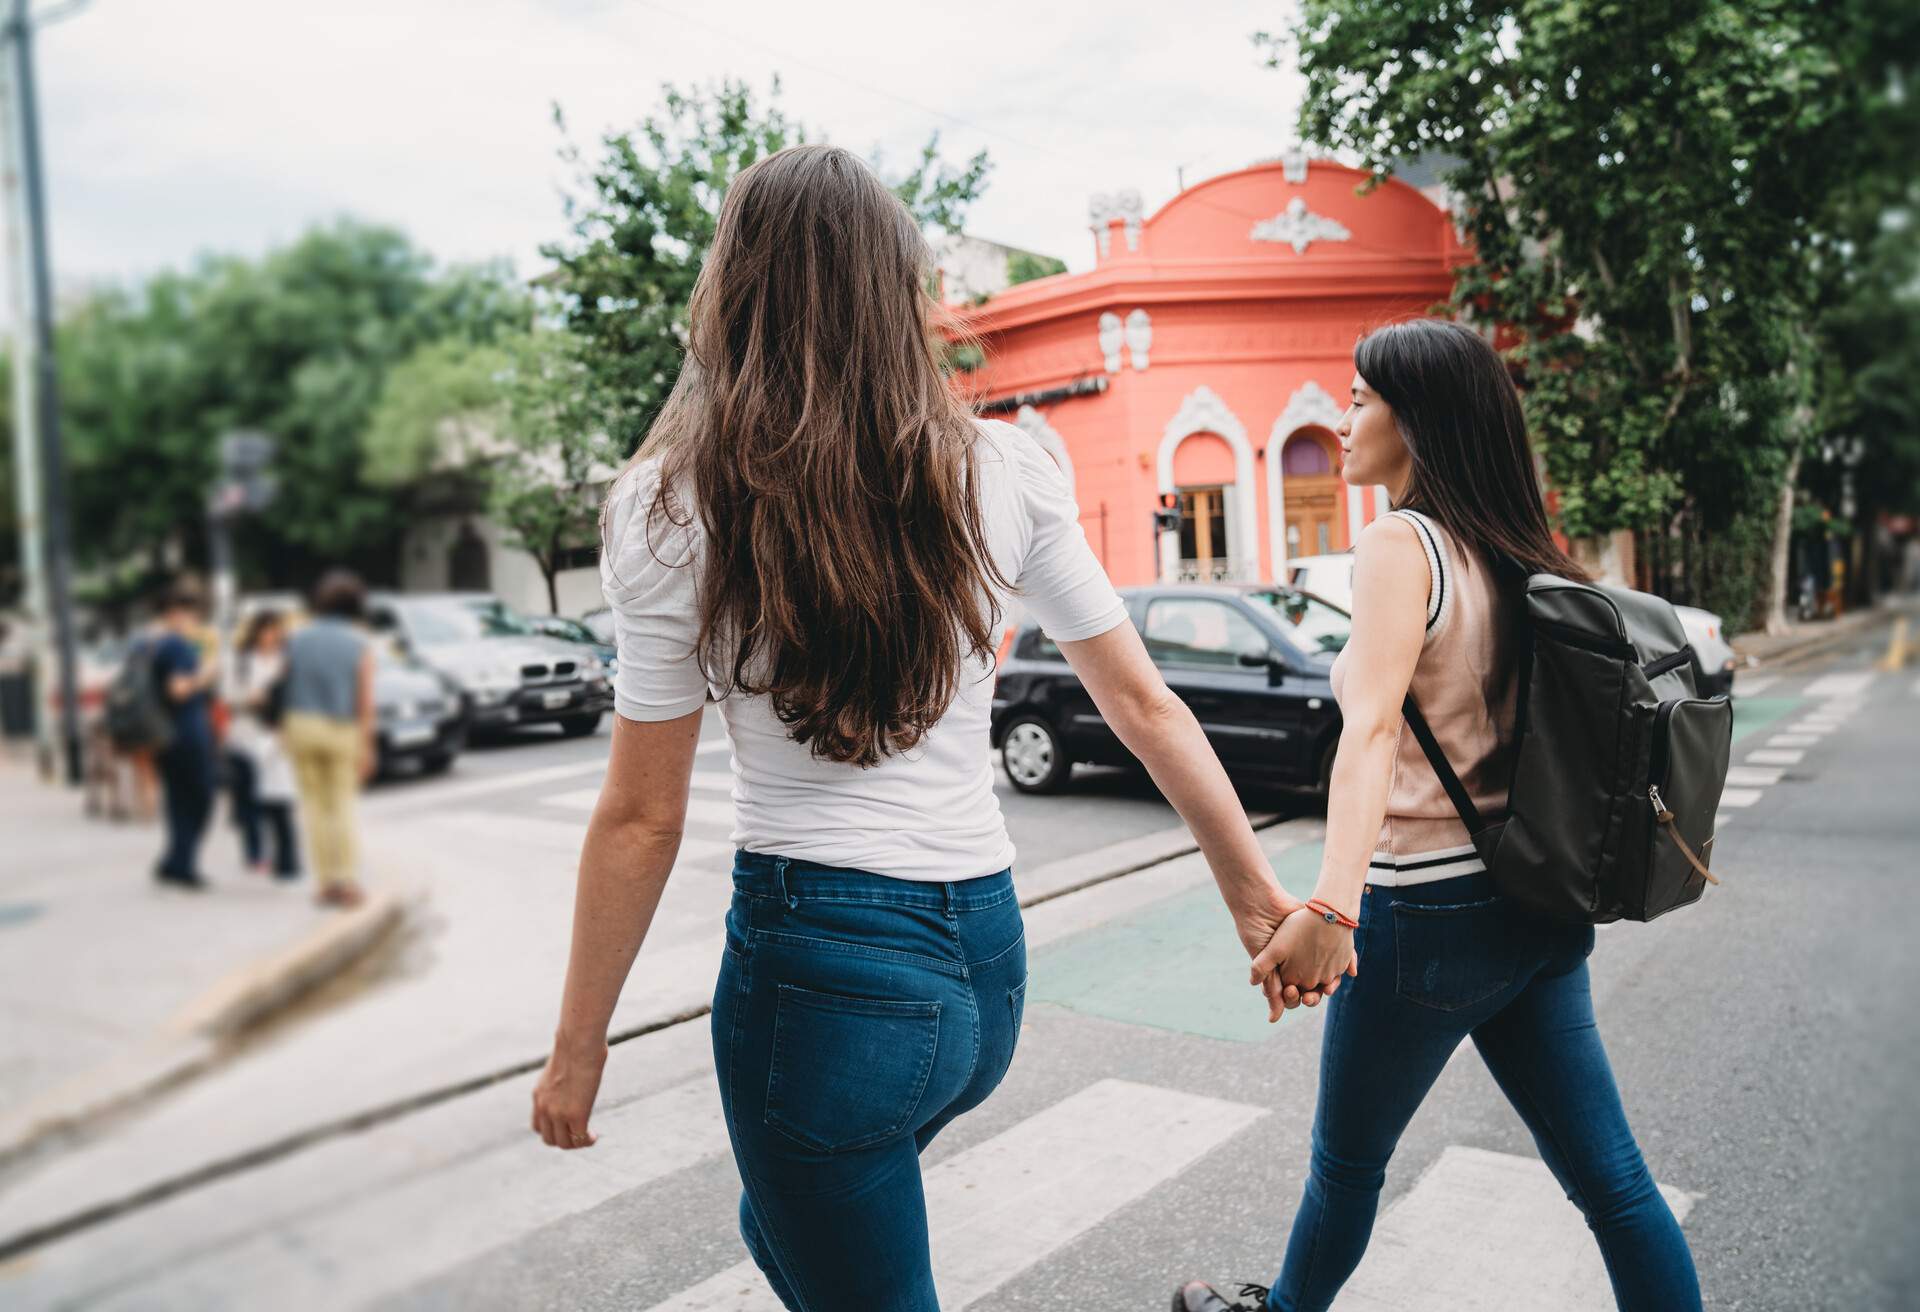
(947, 888)
(780, 876)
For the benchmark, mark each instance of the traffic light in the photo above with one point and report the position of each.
(1167, 518)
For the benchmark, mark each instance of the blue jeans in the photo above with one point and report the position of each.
(855, 1017)
(1440, 962)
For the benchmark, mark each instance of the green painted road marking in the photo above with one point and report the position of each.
(1174, 965)
(1751, 714)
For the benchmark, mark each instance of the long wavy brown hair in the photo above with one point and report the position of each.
(846, 574)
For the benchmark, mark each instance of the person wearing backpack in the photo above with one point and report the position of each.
(182, 682)
(1405, 900)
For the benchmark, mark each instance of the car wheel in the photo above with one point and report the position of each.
(579, 726)
(1033, 756)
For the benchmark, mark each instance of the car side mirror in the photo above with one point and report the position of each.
(1259, 658)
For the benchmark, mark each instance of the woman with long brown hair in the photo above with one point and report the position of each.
(1442, 956)
(819, 535)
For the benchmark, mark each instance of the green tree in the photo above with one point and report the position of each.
(298, 345)
(644, 219)
(1024, 266)
(1646, 188)
(512, 425)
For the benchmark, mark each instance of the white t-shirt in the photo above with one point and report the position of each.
(925, 814)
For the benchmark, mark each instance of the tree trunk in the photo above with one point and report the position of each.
(1782, 551)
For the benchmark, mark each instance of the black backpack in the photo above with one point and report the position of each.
(136, 715)
(1618, 764)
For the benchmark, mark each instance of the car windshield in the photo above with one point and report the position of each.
(434, 622)
(1314, 625)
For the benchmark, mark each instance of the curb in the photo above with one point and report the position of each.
(199, 1033)
(1828, 634)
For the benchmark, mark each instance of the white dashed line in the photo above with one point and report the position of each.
(1768, 757)
(1742, 776)
(1739, 798)
(1793, 740)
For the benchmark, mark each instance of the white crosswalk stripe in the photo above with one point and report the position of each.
(1752, 685)
(1849, 685)
(1527, 1248)
(1748, 777)
(1793, 740)
(1739, 798)
(1001, 1206)
(1775, 756)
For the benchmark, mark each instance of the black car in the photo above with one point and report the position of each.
(421, 720)
(1251, 661)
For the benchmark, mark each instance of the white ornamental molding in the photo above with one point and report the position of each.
(1100, 209)
(1139, 338)
(1311, 404)
(1110, 337)
(1132, 211)
(1035, 425)
(1299, 227)
(1293, 164)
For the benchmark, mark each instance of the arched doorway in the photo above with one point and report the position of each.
(1313, 521)
(1206, 461)
(468, 566)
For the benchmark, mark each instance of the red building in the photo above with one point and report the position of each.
(1208, 354)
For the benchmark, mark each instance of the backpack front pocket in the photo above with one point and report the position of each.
(1686, 770)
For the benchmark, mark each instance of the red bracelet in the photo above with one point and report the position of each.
(1332, 915)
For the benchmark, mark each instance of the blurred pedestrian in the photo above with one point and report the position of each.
(259, 773)
(328, 729)
(183, 680)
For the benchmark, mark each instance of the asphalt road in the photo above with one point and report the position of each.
(1765, 1042)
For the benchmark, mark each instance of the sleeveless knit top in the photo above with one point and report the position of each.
(1465, 685)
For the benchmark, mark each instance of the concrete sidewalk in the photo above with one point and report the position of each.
(113, 986)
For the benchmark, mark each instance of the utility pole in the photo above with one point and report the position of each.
(26, 432)
(40, 416)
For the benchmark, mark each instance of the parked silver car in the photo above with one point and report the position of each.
(509, 674)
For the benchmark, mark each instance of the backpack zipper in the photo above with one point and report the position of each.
(1577, 638)
(1657, 760)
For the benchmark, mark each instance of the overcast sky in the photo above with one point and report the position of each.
(178, 126)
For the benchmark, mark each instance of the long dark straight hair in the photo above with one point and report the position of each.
(1459, 413)
(846, 573)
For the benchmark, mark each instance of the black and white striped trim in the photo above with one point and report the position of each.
(1439, 576)
(1390, 871)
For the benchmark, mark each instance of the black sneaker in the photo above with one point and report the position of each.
(190, 883)
(1198, 1296)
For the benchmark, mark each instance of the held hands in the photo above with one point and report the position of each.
(1258, 926)
(563, 1099)
(1306, 952)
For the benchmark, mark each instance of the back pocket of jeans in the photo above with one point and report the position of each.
(1451, 957)
(848, 1072)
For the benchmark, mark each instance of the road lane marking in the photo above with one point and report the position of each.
(1001, 1206)
(1813, 725)
(1794, 740)
(1527, 1248)
(1769, 756)
(431, 793)
(1752, 685)
(1747, 777)
(1739, 798)
(1841, 685)
(451, 1215)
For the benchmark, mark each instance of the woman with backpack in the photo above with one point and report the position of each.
(1442, 957)
(819, 533)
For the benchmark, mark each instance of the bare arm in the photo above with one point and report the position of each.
(1159, 729)
(630, 847)
(1390, 586)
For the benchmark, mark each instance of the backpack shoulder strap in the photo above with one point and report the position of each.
(1456, 791)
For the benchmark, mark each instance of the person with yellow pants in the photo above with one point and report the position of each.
(328, 723)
